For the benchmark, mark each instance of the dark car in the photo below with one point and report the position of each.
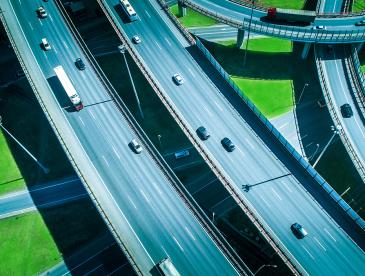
(202, 133)
(298, 230)
(346, 111)
(80, 64)
(227, 144)
(360, 23)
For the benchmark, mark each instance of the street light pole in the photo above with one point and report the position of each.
(159, 136)
(336, 130)
(248, 35)
(44, 169)
(301, 93)
(315, 152)
(121, 49)
(264, 265)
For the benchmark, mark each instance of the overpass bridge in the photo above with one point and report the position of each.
(208, 97)
(138, 196)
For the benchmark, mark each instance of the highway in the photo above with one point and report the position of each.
(277, 203)
(337, 29)
(146, 212)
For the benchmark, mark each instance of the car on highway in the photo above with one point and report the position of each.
(182, 154)
(346, 111)
(202, 133)
(135, 146)
(178, 79)
(360, 23)
(45, 45)
(298, 230)
(319, 27)
(42, 12)
(80, 64)
(136, 39)
(227, 144)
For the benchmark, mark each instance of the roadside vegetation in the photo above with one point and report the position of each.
(192, 18)
(286, 4)
(358, 5)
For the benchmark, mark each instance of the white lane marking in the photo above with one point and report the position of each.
(82, 122)
(116, 153)
(329, 234)
(64, 43)
(20, 2)
(308, 252)
(191, 72)
(44, 53)
(249, 143)
(147, 13)
(208, 111)
(55, 50)
(50, 17)
(219, 107)
(177, 243)
(319, 243)
(157, 188)
(190, 234)
(131, 201)
(164, 250)
(158, 45)
(284, 125)
(239, 149)
(30, 24)
(277, 195)
(92, 114)
(168, 41)
(286, 186)
(264, 200)
(144, 195)
(106, 161)
(40, 22)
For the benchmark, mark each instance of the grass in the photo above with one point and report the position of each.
(286, 4)
(192, 18)
(26, 245)
(362, 58)
(358, 5)
(10, 176)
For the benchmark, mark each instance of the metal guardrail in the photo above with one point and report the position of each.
(356, 68)
(288, 32)
(347, 208)
(189, 201)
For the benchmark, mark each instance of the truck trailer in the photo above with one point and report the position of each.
(289, 15)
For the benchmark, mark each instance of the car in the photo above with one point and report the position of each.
(80, 64)
(182, 154)
(227, 144)
(135, 146)
(360, 23)
(319, 27)
(136, 39)
(178, 79)
(298, 230)
(202, 133)
(346, 111)
(42, 12)
(45, 44)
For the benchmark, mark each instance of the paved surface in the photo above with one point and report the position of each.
(145, 210)
(201, 103)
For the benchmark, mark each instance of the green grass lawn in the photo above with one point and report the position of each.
(286, 4)
(358, 5)
(10, 177)
(27, 247)
(192, 18)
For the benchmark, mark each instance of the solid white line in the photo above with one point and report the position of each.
(82, 122)
(319, 243)
(116, 153)
(277, 195)
(329, 234)
(131, 201)
(308, 252)
(177, 243)
(190, 234)
(91, 271)
(106, 162)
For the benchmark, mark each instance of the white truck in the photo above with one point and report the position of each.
(68, 87)
(167, 268)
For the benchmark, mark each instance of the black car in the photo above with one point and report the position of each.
(346, 111)
(360, 23)
(202, 133)
(298, 230)
(80, 64)
(227, 144)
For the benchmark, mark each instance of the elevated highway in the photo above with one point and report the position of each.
(289, 194)
(137, 195)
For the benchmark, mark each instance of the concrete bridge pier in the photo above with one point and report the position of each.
(182, 9)
(240, 37)
(306, 49)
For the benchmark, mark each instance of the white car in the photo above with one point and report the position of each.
(45, 44)
(136, 39)
(320, 27)
(178, 79)
(135, 146)
(42, 12)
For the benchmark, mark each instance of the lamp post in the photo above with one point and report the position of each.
(247, 187)
(301, 93)
(314, 154)
(122, 49)
(213, 217)
(336, 130)
(159, 136)
(264, 265)
(248, 35)
(44, 169)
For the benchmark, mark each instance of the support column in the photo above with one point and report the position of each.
(359, 46)
(306, 49)
(182, 9)
(240, 37)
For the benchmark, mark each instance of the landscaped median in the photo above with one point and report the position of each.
(193, 18)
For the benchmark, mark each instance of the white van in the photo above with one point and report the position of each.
(45, 44)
